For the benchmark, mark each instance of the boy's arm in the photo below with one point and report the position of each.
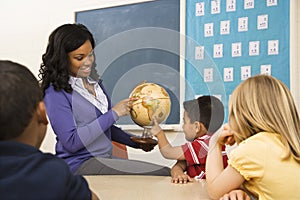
(177, 173)
(166, 149)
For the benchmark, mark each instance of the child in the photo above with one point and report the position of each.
(202, 117)
(264, 122)
(25, 172)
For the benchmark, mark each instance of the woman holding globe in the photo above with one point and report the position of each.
(79, 110)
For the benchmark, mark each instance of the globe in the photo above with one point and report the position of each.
(152, 101)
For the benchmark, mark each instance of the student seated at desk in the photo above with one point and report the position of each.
(26, 172)
(202, 117)
(264, 122)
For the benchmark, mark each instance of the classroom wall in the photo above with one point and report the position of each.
(26, 25)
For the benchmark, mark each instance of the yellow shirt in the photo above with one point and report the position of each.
(259, 159)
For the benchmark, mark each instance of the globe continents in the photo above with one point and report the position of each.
(152, 101)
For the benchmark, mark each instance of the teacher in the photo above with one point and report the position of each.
(80, 111)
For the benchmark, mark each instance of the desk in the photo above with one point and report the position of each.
(176, 138)
(125, 187)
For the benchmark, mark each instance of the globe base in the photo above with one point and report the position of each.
(146, 137)
(141, 140)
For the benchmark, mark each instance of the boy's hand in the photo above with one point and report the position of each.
(155, 128)
(181, 178)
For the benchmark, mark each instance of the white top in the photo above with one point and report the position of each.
(100, 101)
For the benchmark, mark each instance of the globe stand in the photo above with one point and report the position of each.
(146, 137)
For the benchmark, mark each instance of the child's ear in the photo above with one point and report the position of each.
(199, 127)
(41, 113)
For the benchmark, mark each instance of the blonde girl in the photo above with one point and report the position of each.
(264, 122)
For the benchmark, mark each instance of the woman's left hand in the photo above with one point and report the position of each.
(147, 147)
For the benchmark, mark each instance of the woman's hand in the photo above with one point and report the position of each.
(123, 107)
(147, 147)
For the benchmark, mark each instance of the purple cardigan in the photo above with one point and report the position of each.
(82, 131)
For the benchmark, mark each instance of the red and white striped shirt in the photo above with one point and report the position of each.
(195, 155)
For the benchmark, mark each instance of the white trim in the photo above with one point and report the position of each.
(182, 56)
(204, 145)
(96, 4)
(294, 50)
(193, 153)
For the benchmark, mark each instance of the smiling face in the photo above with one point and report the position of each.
(81, 60)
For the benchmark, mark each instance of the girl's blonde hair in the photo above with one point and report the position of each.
(264, 104)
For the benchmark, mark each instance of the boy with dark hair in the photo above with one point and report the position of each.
(26, 172)
(202, 117)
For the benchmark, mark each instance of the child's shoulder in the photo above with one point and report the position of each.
(202, 140)
(204, 137)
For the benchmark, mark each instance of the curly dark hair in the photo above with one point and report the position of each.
(55, 66)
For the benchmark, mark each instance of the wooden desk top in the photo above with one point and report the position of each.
(123, 187)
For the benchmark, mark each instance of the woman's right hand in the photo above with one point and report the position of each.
(123, 107)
